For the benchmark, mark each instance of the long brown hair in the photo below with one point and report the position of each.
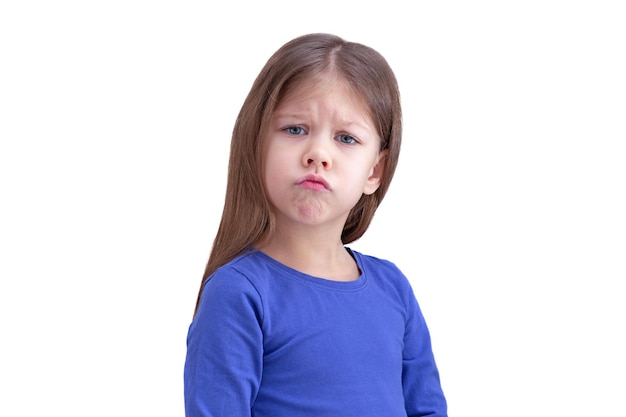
(246, 217)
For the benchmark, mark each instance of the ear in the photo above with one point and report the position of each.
(376, 174)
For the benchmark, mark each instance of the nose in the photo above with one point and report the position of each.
(317, 154)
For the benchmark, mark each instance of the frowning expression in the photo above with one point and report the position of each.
(321, 152)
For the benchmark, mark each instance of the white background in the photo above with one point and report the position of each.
(507, 210)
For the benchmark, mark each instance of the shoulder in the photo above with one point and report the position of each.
(248, 270)
(382, 271)
(232, 287)
(379, 266)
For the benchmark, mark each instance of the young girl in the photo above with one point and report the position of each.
(289, 321)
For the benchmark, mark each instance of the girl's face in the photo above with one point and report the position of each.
(321, 153)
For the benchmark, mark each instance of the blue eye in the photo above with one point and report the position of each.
(295, 130)
(343, 138)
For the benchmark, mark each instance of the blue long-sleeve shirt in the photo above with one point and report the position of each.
(269, 341)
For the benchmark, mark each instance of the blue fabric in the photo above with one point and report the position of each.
(269, 341)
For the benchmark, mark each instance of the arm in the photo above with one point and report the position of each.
(224, 349)
(420, 377)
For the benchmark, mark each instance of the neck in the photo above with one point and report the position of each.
(314, 255)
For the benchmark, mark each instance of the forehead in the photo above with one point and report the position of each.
(320, 87)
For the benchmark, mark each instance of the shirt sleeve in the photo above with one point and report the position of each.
(420, 377)
(224, 359)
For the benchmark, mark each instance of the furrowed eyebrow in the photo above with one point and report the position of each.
(279, 115)
(355, 124)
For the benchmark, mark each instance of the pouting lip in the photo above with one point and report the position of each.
(313, 178)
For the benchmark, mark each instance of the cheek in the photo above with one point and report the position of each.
(274, 164)
(279, 156)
